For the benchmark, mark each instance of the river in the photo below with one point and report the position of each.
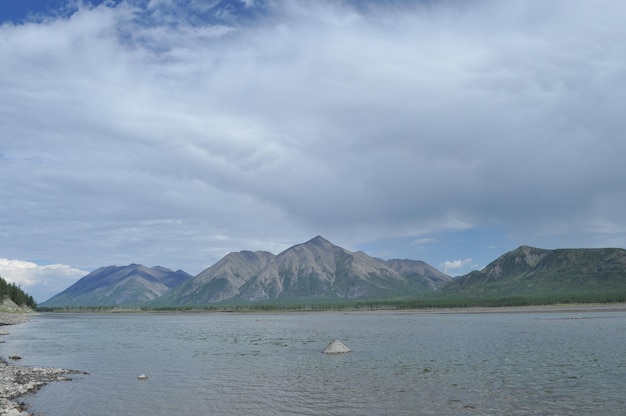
(402, 363)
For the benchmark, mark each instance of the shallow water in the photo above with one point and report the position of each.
(271, 364)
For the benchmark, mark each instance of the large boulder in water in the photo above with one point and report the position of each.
(336, 347)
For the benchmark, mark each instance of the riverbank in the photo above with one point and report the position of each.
(17, 381)
(259, 309)
(557, 308)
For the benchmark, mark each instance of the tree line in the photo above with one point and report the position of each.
(16, 294)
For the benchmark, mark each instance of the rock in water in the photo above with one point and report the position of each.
(336, 347)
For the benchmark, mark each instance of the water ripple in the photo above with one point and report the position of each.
(407, 364)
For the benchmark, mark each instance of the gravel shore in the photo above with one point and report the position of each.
(16, 381)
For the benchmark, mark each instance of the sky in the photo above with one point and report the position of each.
(171, 133)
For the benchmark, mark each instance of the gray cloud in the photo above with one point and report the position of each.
(135, 134)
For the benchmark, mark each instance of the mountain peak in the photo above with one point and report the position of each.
(316, 244)
(318, 240)
(526, 248)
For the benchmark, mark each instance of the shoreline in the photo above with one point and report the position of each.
(17, 381)
(548, 308)
(556, 308)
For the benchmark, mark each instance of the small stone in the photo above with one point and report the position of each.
(15, 412)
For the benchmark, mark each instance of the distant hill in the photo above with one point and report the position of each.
(530, 271)
(131, 285)
(316, 269)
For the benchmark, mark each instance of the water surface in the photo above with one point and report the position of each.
(271, 364)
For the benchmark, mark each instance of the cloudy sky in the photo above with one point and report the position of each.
(170, 132)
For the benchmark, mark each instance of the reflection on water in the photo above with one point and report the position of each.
(402, 363)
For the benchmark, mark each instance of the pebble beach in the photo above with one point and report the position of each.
(17, 381)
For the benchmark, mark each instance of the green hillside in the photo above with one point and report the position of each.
(16, 294)
(529, 271)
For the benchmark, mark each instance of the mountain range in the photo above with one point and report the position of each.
(316, 269)
(319, 270)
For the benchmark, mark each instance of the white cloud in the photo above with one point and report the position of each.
(39, 281)
(449, 265)
(423, 241)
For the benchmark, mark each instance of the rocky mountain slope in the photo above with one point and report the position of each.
(534, 271)
(221, 281)
(130, 285)
(316, 269)
(320, 270)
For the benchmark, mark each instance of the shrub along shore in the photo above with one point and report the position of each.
(17, 381)
(433, 302)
